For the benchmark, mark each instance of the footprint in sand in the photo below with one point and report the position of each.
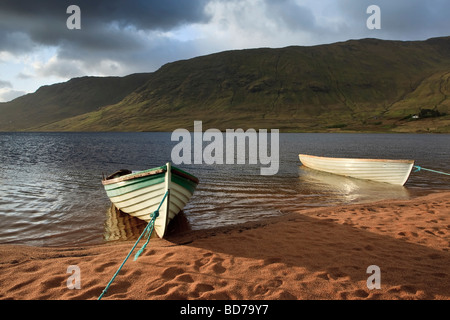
(202, 287)
(277, 282)
(171, 272)
(408, 233)
(53, 282)
(185, 278)
(102, 267)
(209, 262)
(402, 289)
(260, 290)
(359, 293)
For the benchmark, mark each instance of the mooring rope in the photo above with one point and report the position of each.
(148, 229)
(149, 233)
(418, 168)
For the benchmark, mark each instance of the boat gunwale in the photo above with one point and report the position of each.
(151, 172)
(358, 159)
(132, 176)
(184, 174)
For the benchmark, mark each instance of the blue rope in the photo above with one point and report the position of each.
(153, 217)
(149, 233)
(418, 168)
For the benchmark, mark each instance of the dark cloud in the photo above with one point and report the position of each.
(15, 41)
(144, 14)
(116, 36)
(104, 22)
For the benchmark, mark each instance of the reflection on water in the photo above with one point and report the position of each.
(122, 226)
(340, 189)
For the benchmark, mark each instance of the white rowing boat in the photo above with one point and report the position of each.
(140, 193)
(383, 170)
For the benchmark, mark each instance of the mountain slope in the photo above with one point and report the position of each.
(64, 100)
(368, 85)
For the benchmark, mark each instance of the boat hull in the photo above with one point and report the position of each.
(139, 194)
(382, 170)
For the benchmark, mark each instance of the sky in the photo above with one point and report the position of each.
(118, 37)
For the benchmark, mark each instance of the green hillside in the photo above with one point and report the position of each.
(357, 85)
(65, 100)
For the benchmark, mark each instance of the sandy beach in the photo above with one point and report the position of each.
(320, 253)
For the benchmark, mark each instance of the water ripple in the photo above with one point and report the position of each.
(51, 192)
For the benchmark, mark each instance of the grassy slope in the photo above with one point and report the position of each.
(364, 85)
(65, 100)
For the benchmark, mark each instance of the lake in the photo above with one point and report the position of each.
(51, 191)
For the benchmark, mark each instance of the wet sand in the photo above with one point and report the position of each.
(312, 254)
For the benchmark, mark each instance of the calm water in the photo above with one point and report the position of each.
(51, 192)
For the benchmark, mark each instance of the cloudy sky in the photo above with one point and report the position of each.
(120, 37)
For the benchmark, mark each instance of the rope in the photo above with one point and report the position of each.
(149, 226)
(418, 168)
(149, 233)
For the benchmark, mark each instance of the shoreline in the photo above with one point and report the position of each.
(314, 254)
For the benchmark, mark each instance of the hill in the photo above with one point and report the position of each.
(357, 85)
(65, 100)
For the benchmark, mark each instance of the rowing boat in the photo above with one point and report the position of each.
(383, 170)
(140, 193)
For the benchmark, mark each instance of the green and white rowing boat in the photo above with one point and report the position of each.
(139, 193)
